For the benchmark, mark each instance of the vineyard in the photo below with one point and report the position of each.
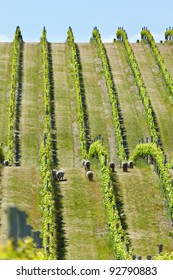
(108, 103)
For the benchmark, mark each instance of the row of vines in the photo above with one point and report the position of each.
(122, 35)
(120, 241)
(47, 203)
(118, 236)
(146, 34)
(152, 149)
(122, 152)
(12, 102)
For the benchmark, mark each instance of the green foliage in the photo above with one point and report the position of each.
(122, 35)
(168, 33)
(157, 154)
(13, 85)
(47, 203)
(24, 251)
(2, 156)
(164, 256)
(112, 94)
(118, 236)
(77, 87)
(145, 34)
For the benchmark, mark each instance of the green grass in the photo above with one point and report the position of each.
(158, 94)
(98, 105)
(82, 222)
(84, 227)
(148, 221)
(31, 121)
(130, 103)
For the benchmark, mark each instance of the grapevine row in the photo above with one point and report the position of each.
(163, 169)
(78, 91)
(122, 35)
(119, 239)
(169, 34)
(13, 86)
(145, 34)
(47, 203)
(112, 95)
(116, 231)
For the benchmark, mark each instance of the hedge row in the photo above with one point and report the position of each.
(169, 34)
(119, 239)
(122, 35)
(47, 203)
(78, 91)
(13, 86)
(163, 169)
(145, 34)
(112, 94)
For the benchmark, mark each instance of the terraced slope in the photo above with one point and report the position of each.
(158, 94)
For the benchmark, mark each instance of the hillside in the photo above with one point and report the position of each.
(81, 221)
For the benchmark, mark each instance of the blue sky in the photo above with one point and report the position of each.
(82, 16)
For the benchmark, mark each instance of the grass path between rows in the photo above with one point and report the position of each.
(166, 50)
(135, 187)
(83, 219)
(5, 74)
(158, 94)
(20, 185)
(98, 105)
(130, 103)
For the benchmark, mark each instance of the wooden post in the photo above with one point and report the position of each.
(160, 248)
(165, 159)
(105, 161)
(45, 138)
(45, 159)
(127, 247)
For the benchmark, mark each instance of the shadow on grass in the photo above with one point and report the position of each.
(17, 154)
(61, 241)
(119, 201)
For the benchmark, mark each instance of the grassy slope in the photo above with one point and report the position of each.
(159, 96)
(166, 50)
(132, 198)
(84, 228)
(5, 72)
(98, 106)
(21, 184)
(130, 102)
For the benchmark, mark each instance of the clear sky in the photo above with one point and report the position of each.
(82, 16)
